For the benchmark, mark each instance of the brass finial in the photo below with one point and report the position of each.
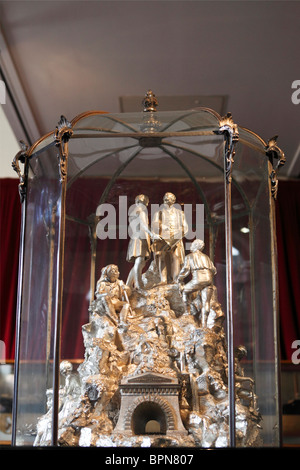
(150, 102)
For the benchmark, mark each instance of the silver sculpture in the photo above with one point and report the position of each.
(112, 293)
(139, 247)
(170, 225)
(202, 270)
(155, 371)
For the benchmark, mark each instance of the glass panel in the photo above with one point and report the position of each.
(254, 318)
(38, 294)
(94, 238)
(116, 177)
(133, 122)
(43, 144)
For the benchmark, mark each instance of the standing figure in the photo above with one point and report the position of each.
(170, 224)
(113, 293)
(139, 247)
(202, 270)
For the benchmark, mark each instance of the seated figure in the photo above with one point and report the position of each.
(113, 293)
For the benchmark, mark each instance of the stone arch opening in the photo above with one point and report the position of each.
(149, 418)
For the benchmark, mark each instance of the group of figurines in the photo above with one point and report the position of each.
(163, 323)
(165, 241)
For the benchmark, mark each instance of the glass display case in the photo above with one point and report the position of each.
(126, 333)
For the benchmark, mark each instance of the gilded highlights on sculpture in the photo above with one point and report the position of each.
(155, 371)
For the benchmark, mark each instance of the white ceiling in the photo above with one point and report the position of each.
(74, 56)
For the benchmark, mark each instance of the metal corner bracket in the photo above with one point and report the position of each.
(63, 133)
(230, 130)
(21, 156)
(273, 152)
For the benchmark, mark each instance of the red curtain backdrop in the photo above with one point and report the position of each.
(10, 223)
(288, 240)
